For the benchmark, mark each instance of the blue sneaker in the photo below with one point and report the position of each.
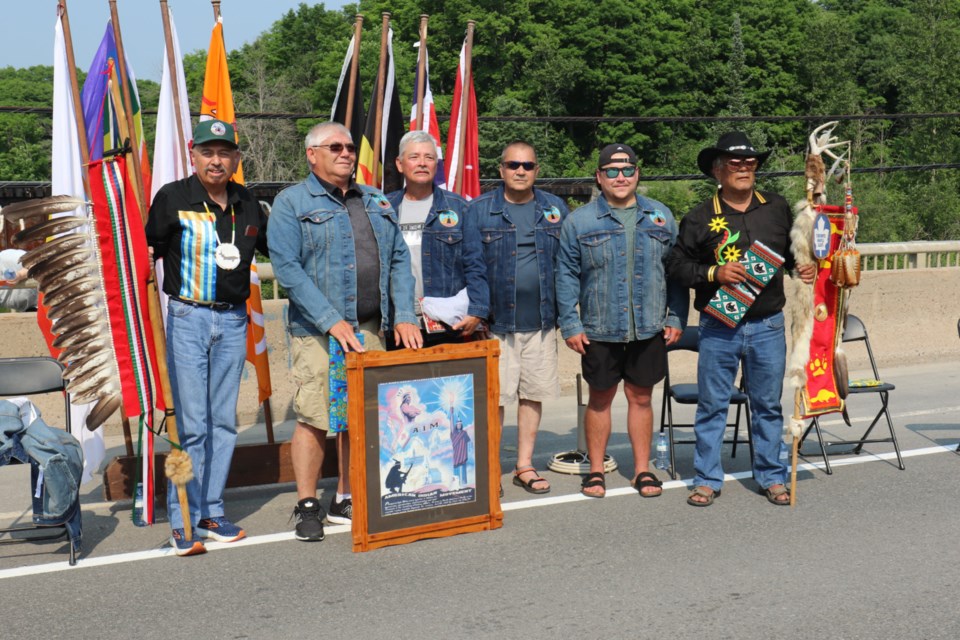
(219, 529)
(183, 547)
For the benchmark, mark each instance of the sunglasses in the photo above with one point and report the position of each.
(336, 148)
(737, 164)
(513, 165)
(611, 172)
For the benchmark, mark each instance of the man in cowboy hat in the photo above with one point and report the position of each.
(714, 237)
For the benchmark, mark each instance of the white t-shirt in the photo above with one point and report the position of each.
(413, 215)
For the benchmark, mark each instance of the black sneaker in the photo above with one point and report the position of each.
(309, 516)
(340, 512)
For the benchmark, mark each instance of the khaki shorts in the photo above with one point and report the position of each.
(528, 366)
(311, 367)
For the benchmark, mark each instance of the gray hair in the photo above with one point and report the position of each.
(417, 136)
(717, 163)
(518, 143)
(320, 132)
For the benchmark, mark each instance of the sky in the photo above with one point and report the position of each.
(28, 36)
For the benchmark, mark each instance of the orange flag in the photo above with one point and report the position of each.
(217, 96)
(218, 103)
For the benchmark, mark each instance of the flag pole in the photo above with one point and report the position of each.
(174, 83)
(128, 111)
(77, 104)
(153, 296)
(422, 70)
(466, 87)
(381, 81)
(267, 410)
(354, 67)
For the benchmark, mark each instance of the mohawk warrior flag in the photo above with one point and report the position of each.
(469, 186)
(103, 131)
(338, 112)
(218, 103)
(388, 177)
(67, 179)
(430, 123)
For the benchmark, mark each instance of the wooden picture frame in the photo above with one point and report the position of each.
(410, 475)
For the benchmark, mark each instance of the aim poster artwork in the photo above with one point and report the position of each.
(427, 444)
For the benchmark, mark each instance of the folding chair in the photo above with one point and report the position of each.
(27, 377)
(855, 331)
(687, 393)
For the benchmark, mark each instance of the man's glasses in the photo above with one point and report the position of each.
(611, 172)
(740, 164)
(336, 148)
(513, 165)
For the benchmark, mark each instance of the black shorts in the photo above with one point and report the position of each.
(642, 363)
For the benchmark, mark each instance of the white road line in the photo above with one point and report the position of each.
(122, 558)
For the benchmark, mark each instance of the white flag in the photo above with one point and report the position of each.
(171, 157)
(67, 179)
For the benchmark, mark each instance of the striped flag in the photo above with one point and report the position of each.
(218, 103)
(388, 177)
(101, 120)
(67, 179)
(469, 187)
(430, 123)
(338, 112)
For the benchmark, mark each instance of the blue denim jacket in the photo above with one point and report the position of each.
(498, 236)
(591, 268)
(451, 259)
(54, 452)
(312, 251)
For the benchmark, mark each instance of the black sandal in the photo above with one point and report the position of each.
(594, 479)
(646, 479)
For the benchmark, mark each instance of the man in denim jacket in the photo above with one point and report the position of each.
(444, 258)
(519, 229)
(612, 263)
(337, 250)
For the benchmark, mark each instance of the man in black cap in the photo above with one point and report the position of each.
(206, 228)
(714, 238)
(611, 267)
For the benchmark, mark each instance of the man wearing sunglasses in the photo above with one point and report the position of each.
(444, 258)
(616, 309)
(714, 237)
(337, 249)
(519, 228)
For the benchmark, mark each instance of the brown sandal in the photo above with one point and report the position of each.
(703, 492)
(528, 485)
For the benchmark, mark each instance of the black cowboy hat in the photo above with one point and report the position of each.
(735, 144)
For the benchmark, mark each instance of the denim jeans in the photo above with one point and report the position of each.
(205, 354)
(761, 346)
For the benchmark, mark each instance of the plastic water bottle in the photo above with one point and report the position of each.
(663, 452)
(138, 506)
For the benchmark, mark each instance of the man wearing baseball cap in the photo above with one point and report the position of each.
(206, 229)
(611, 265)
(714, 238)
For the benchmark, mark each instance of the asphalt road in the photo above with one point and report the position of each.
(869, 552)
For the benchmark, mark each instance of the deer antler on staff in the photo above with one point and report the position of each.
(822, 236)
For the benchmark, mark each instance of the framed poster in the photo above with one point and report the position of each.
(424, 442)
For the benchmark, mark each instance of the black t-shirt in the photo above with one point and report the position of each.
(184, 227)
(714, 231)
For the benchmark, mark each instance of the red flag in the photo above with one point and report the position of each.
(469, 185)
